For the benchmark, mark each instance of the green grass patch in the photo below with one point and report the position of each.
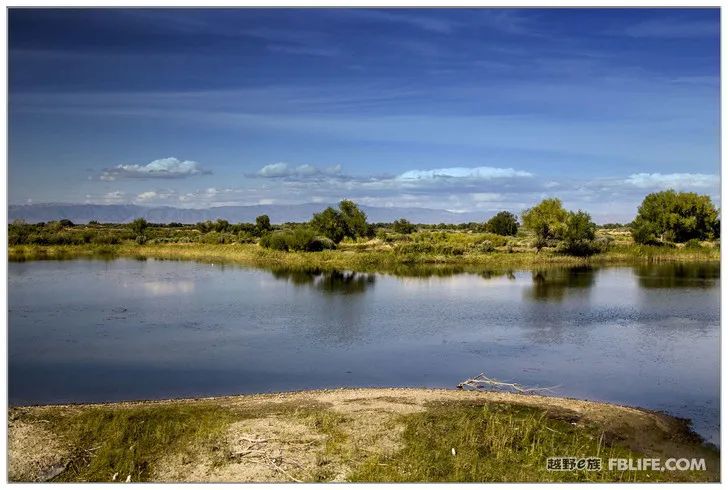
(495, 443)
(131, 440)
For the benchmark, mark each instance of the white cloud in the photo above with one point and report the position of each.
(465, 173)
(114, 197)
(676, 180)
(146, 196)
(164, 168)
(281, 169)
(486, 196)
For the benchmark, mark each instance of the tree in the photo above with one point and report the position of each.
(262, 222)
(579, 234)
(355, 219)
(221, 225)
(547, 219)
(348, 221)
(331, 224)
(138, 226)
(670, 216)
(403, 226)
(503, 223)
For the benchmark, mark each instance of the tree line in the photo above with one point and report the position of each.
(662, 218)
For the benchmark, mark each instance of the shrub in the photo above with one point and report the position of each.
(330, 223)
(138, 226)
(547, 219)
(262, 223)
(675, 216)
(485, 246)
(105, 239)
(644, 233)
(274, 241)
(246, 237)
(579, 234)
(300, 239)
(503, 223)
(320, 243)
(348, 221)
(423, 247)
(403, 226)
(693, 243)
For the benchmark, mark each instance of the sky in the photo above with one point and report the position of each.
(457, 109)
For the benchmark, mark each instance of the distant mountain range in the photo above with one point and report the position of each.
(123, 213)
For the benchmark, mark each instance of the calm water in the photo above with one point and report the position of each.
(126, 329)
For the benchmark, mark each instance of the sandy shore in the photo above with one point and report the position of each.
(270, 437)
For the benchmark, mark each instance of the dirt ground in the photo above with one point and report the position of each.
(274, 446)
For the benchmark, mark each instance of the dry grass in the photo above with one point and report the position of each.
(339, 435)
(372, 256)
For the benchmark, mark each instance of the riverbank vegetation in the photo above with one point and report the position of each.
(669, 227)
(345, 435)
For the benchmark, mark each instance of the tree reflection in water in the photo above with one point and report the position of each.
(552, 284)
(678, 275)
(337, 282)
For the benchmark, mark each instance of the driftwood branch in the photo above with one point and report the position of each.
(482, 382)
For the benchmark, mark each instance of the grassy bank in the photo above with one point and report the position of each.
(361, 257)
(345, 435)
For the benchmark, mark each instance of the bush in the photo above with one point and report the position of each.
(644, 233)
(262, 223)
(105, 239)
(246, 237)
(138, 226)
(403, 226)
(547, 219)
(503, 223)
(300, 239)
(320, 243)
(675, 216)
(579, 235)
(693, 243)
(348, 221)
(485, 246)
(331, 224)
(422, 247)
(274, 241)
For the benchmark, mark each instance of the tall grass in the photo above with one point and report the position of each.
(130, 441)
(469, 442)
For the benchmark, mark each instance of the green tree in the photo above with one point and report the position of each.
(331, 224)
(355, 219)
(262, 222)
(403, 226)
(670, 216)
(221, 225)
(503, 223)
(547, 219)
(347, 221)
(139, 226)
(579, 234)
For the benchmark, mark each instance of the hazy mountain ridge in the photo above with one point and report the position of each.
(123, 213)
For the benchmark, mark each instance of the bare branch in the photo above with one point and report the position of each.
(484, 383)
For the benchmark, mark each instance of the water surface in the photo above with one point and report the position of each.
(83, 331)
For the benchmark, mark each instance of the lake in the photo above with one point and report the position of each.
(87, 330)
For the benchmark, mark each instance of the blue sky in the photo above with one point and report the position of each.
(459, 109)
